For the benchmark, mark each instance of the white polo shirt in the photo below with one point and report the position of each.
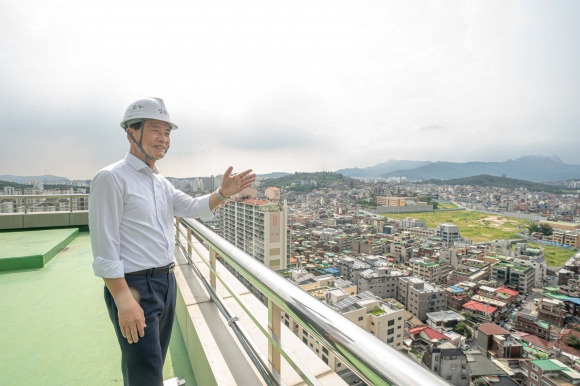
(131, 217)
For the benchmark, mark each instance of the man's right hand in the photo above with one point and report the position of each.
(131, 315)
(131, 320)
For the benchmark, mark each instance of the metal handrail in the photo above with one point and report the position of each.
(373, 360)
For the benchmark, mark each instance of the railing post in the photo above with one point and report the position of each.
(189, 248)
(212, 263)
(177, 230)
(275, 330)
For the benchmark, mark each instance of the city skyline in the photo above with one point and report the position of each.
(290, 86)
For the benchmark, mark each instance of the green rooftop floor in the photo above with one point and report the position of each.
(54, 325)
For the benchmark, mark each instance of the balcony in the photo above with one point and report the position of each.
(56, 325)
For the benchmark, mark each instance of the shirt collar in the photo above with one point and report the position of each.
(139, 165)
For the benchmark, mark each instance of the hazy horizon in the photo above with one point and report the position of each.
(288, 86)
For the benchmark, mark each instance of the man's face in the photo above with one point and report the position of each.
(156, 138)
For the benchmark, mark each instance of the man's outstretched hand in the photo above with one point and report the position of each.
(233, 184)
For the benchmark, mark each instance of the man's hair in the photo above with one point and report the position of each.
(136, 125)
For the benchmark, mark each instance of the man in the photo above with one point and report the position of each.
(131, 217)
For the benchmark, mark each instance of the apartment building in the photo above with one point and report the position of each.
(384, 320)
(516, 276)
(532, 257)
(420, 297)
(350, 268)
(427, 270)
(410, 222)
(449, 233)
(382, 282)
(565, 237)
(258, 227)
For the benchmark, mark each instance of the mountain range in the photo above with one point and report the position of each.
(535, 168)
(530, 168)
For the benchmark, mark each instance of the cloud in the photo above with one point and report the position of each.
(432, 126)
(269, 136)
(289, 85)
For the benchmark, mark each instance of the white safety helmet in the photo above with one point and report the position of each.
(147, 108)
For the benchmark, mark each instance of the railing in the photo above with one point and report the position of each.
(371, 359)
(23, 200)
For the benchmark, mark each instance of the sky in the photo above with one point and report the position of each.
(288, 86)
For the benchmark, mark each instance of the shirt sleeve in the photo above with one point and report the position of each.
(105, 213)
(187, 206)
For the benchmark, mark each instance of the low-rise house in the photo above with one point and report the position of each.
(551, 311)
(449, 363)
(497, 342)
(443, 320)
(482, 312)
(551, 372)
(531, 324)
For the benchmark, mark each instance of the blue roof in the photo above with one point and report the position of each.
(457, 289)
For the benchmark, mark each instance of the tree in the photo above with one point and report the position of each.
(480, 382)
(572, 341)
(461, 328)
(546, 229)
(533, 227)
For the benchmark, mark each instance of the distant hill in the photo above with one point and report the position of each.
(27, 180)
(485, 180)
(529, 168)
(273, 175)
(382, 168)
(304, 181)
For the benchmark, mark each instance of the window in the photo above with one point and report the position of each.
(391, 331)
(360, 318)
(390, 340)
(391, 322)
(534, 376)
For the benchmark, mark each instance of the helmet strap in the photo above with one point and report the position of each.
(139, 145)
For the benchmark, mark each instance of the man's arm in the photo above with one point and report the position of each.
(131, 317)
(105, 211)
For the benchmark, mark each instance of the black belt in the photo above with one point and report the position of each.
(154, 271)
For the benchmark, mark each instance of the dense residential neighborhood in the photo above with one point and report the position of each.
(491, 311)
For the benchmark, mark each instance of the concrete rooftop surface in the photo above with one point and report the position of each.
(54, 326)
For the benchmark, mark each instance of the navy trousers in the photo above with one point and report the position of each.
(142, 362)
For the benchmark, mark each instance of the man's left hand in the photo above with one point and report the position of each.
(233, 184)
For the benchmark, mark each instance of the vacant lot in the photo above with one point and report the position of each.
(555, 257)
(475, 226)
(479, 227)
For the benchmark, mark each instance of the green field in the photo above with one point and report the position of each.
(479, 227)
(446, 205)
(475, 226)
(555, 257)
